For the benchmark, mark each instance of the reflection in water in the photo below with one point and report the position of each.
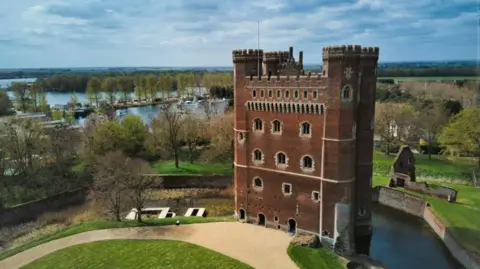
(403, 241)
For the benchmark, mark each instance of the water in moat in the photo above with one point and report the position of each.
(403, 241)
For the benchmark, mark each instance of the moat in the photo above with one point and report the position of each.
(403, 241)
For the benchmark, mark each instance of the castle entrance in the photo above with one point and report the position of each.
(242, 214)
(261, 220)
(292, 226)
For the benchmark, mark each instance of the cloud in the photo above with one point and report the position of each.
(41, 33)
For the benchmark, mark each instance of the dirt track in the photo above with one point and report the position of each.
(259, 247)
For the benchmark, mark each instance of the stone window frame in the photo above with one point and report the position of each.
(254, 94)
(305, 94)
(270, 93)
(272, 131)
(262, 156)
(254, 125)
(279, 94)
(301, 134)
(255, 187)
(287, 94)
(241, 136)
(362, 211)
(296, 95)
(346, 89)
(276, 219)
(283, 189)
(302, 161)
(313, 196)
(281, 165)
(315, 94)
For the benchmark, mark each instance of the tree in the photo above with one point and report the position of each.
(221, 136)
(165, 84)
(135, 134)
(109, 86)
(21, 93)
(184, 82)
(94, 90)
(109, 136)
(428, 123)
(166, 131)
(140, 89)
(126, 87)
(6, 105)
(37, 93)
(109, 182)
(462, 133)
(193, 132)
(139, 182)
(151, 86)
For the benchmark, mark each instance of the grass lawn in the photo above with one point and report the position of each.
(318, 258)
(168, 167)
(136, 254)
(439, 167)
(106, 224)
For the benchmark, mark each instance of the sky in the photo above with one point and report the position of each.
(105, 33)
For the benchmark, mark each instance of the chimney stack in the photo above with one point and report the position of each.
(300, 57)
(290, 52)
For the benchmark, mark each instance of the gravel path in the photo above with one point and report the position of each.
(259, 247)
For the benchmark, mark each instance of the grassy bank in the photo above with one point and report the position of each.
(168, 167)
(106, 224)
(138, 254)
(318, 258)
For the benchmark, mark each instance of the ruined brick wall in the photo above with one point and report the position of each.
(399, 200)
(404, 163)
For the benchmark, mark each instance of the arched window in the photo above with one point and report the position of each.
(347, 93)
(276, 126)
(281, 158)
(287, 93)
(307, 162)
(254, 93)
(270, 93)
(296, 94)
(305, 129)
(315, 94)
(257, 155)
(279, 94)
(257, 124)
(305, 94)
(257, 183)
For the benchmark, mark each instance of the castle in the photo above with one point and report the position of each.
(304, 142)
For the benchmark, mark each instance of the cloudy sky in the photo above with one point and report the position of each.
(80, 33)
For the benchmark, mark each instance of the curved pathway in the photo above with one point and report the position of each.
(259, 247)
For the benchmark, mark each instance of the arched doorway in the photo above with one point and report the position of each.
(261, 219)
(292, 226)
(242, 214)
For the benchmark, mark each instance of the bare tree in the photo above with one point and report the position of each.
(21, 92)
(193, 132)
(429, 121)
(209, 110)
(166, 131)
(139, 183)
(221, 135)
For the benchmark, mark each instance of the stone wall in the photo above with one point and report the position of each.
(196, 181)
(441, 192)
(32, 210)
(399, 200)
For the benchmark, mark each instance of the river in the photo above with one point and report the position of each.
(402, 241)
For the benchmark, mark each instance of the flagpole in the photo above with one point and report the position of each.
(258, 46)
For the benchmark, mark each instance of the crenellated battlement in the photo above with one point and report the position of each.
(342, 50)
(312, 79)
(275, 55)
(370, 51)
(247, 55)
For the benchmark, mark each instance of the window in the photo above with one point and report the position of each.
(276, 126)
(270, 93)
(362, 212)
(279, 94)
(315, 195)
(281, 158)
(254, 93)
(257, 183)
(287, 93)
(410, 160)
(257, 124)
(296, 94)
(287, 188)
(275, 219)
(257, 156)
(305, 129)
(307, 163)
(240, 137)
(261, 94)
(305, 94)
(347, 93)
(315, 95)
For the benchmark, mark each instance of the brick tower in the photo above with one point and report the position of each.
(304, 143)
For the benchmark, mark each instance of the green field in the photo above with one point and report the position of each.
(439, 167)
(310, 258)
(147, 254)
(107, 224)
(168, 167)
(431, 78)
